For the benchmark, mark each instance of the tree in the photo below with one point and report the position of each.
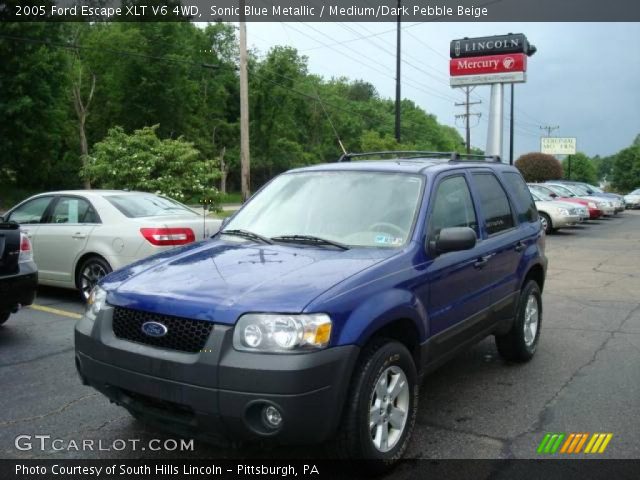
(539, 167)
(582, 168)
(626, 169)
(142, 161)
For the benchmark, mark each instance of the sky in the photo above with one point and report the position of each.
(584, 78)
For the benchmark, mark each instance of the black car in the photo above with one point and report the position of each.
(18, 271)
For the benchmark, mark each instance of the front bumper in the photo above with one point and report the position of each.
(19, 289)
(560, 221)
(218, 394)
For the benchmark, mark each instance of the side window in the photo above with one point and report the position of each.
(526, 207)
(494, 203)
(31, 211)
(73, 210)
(452, 206)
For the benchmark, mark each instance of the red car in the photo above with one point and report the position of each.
(594, 211)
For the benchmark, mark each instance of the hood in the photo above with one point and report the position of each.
(219, 280)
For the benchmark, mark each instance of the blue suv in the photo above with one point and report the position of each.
(317, 309)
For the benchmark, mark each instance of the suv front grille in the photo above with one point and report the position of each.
(183, 334)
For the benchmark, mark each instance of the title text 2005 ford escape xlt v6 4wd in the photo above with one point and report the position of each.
(316, 310)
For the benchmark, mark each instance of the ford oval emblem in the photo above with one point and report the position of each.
(154, 329)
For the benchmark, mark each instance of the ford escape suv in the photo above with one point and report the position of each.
(316, 310)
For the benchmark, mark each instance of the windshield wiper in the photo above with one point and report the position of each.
(309, 239)
(247, 234)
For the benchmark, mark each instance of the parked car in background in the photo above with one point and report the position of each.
(632, 199)
(18, 272)
(322, 303)
(592, 190)
(555, 214)
(80, 236)
(549, 194)
(603, 204)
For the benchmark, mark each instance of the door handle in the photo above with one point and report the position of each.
(482, 261)
(520, 246)
(79, 235)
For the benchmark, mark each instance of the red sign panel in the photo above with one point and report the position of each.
(514, 62)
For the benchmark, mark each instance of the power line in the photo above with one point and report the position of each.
(549, 129)
(467, 115)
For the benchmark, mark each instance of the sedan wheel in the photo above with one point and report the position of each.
(91, 272)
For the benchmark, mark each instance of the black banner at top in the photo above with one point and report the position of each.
(494, 45)
(322, 10)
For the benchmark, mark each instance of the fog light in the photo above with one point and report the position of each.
(272, 416)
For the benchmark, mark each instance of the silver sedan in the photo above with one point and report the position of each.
(80, 236)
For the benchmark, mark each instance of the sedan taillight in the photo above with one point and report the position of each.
(163, 237)
(26, 252)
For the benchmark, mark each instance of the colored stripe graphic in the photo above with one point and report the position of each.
(573, 443)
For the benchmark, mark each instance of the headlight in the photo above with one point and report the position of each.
(280, 333)
(563, 211)
(602, 205)
(96, 301)
(592, 205)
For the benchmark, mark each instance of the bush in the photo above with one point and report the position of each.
(583, 169)
(539, 167)
(142, 161)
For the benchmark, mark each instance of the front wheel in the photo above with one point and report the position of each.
(520, 343)
(382, 405)
(92, 270)
(547, 226)
(4, 316)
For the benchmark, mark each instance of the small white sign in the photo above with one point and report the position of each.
(558, 145)
(489, 78)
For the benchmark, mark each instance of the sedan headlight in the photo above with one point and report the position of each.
(280, 333)
(592, 205)
(602, 205)
(563, 211)
(96, 302)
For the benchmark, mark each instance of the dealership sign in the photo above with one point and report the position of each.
(488, 79)
(516, 62)
(558, 146)
(495, 45)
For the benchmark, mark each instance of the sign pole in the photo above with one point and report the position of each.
(494, 133)
(511, 121)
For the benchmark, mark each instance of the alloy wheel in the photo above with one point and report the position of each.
(389, 408)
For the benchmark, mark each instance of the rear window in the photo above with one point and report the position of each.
(147, 205)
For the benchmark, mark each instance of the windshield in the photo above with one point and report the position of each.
(580, 190)
(147, 205)
(367, 209)
(562, 191)
(541, 196)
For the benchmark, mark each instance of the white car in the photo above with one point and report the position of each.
(79, 236)
(632, 200)
(556, 214)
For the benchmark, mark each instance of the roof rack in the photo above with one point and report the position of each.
(414, 154)
(417, 154)
(471, 157)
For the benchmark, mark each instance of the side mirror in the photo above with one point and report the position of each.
(453, 239)
(553, 195)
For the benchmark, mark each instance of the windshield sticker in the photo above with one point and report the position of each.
(387, 240)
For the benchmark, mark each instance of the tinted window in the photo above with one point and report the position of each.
(73, 210)
(494, 203)
(526, 207)
(147, 205)
(453, 206)
(31, 211)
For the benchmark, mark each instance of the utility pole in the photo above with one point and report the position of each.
(549, 129)
(398, 99)
(467, 115)
(244, 109)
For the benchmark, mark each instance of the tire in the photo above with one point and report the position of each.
(546, 223)
(521, 342)
(383, 362)
(4, 316)
(91, 271)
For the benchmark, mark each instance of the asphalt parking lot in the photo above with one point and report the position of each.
(584, 378)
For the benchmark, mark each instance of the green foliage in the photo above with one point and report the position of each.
(582, 169)
(539, 167)
(626, 169)
(142, 161)
(151, 73)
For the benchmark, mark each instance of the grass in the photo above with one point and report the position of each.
(223, 214)
(231, 197)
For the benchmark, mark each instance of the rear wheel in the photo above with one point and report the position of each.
(521, 342)
(91, 271)
(382, 405)
(4, 316)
